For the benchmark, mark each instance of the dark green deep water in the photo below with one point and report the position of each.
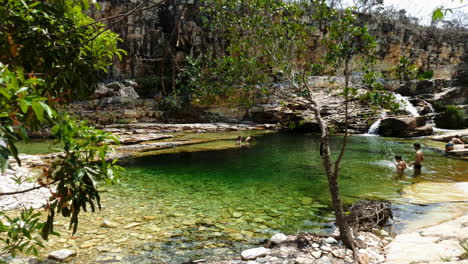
(213, 203)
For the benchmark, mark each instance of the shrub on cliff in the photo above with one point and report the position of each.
(451, 118)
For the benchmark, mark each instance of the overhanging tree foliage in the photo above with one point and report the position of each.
(256, 40)
(50, 53)
(56, 41)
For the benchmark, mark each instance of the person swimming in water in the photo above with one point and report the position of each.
(400, 164)
(250, 139)
(239, 140)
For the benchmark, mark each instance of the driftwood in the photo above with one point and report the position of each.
(366, 215)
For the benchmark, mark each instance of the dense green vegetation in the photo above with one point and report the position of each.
(51, 52)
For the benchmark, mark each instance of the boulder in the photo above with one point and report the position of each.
(446, 136)
(101, 92)
(414, 87)
(253, 253)
(404, 127)
(128, 92)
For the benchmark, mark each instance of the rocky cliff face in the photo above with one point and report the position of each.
(164, 32)
(157, 36)
(429, 48)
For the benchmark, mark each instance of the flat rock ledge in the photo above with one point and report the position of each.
(306, 248)
(436, 244)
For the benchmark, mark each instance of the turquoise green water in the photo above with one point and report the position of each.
(36, 147)
(214, 203)
(211, 204)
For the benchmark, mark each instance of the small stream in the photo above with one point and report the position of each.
(211, 204)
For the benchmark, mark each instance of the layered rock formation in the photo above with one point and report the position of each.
(159, 34)
(164, 32)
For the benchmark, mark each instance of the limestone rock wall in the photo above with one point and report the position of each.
(440, 50)
(161, 33)
(165, 31)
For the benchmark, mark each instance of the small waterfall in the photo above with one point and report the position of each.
(406, 105)
(433, 111)
(431, 121)
(374, 128)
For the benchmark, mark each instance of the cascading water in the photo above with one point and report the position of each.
(374, 128)
(405, 104)
(431, 121)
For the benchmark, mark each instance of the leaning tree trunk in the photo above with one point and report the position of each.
(333, 171)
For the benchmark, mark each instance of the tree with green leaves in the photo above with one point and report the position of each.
(441, 12)
(255, 40)
(275, 45)
(50, 53)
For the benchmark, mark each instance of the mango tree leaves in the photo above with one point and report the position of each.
(79, 170)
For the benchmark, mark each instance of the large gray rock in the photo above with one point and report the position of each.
(102, 91)
(419, 87)
(62, 254)
(404, 127)
(253, 253)
(416, 87)
(128, 92)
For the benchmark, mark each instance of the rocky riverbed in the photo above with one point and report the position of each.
(138, 236)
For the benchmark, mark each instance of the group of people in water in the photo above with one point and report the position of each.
(455, 143)
(419, 157)
(416, 164)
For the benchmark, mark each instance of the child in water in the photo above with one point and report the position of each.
(400, 164)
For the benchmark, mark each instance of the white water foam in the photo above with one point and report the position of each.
(384, 163)
(406, 105)
(374, 128)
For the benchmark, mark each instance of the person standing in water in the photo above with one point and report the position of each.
(400, 164)
(418, 159)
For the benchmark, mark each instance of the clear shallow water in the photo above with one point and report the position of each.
(36, 147)
(212, 204)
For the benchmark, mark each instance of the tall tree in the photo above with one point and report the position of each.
(267, 46)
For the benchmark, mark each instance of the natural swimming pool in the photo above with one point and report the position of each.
(174, 207)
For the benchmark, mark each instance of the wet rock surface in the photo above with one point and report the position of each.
(404, 127)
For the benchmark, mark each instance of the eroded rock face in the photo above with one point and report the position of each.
(404, 127)
(147, 34)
